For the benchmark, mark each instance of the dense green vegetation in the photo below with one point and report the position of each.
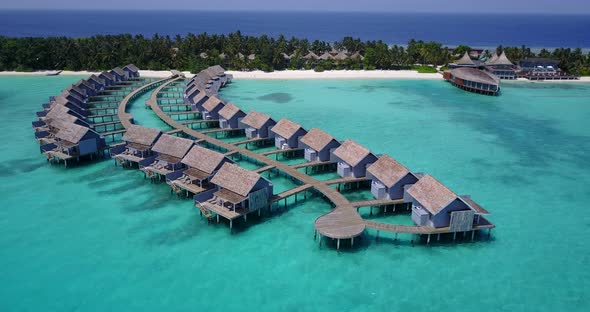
(236, 51)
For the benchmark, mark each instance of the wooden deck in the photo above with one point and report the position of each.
(414, 229)
(265, 168)
(192, 188)
(291, 192)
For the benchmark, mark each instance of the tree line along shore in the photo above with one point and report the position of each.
(235, 51)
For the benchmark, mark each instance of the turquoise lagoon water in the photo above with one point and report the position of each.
(99, 238)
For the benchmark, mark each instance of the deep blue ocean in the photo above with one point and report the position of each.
(477, 30)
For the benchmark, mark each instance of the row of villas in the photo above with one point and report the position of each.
(66, 128)
(433, 204)
(332, 55)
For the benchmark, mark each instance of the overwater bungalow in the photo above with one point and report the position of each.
(433, 204)
(501, 67)
(74, 98)
(197, 99)
(473, 80)
(353, 159)
(96, 82)
(120, 74)
(73, 141)
(230, 117)
(211, 108)
(132, 71)
(87, 87)
(389, 178)
(237, 193)
(137, 146)
(60, 100)
(257, 124)
(318, 145)
(108, 78)
(287, 134)
(201, 164)
(171, 149)
(77, 91)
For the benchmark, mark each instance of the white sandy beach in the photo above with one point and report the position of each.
(334, 74)
(290, 74)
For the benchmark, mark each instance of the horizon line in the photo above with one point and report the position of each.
(295, 11)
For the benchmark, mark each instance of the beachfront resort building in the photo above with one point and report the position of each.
(137, 146)
(389, 178)
(433, 204)
(257, 125)
(318, 145)
(287, 134)
(230, 117)
(473, 80)
(501, 66)
(353, 159)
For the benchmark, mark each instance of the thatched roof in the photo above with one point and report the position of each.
(326, 56)
(212, 103)
(252, 57)
(475, 75)
(119, 71)
(286, 128)
(311, 56)
(351, 152)
(493, 58)
(72, 132)
(387, 170)
(172, 145)
(141, 135)
(317, 139)
(229, 111)
(235, 179)
(357, 56)
(475, 206)
(132, 68)
(465, 60)
(431, 194)
(500, 60)
(341, 56)
(255, 119)
(204, 159)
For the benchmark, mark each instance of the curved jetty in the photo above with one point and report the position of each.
(193, 160)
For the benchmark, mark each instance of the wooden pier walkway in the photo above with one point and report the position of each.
(265, 168)
(311, 164)
(250, 141)
(376, 202)
(345, 180)
(280, 151)
(291, 192)
(341, 223)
